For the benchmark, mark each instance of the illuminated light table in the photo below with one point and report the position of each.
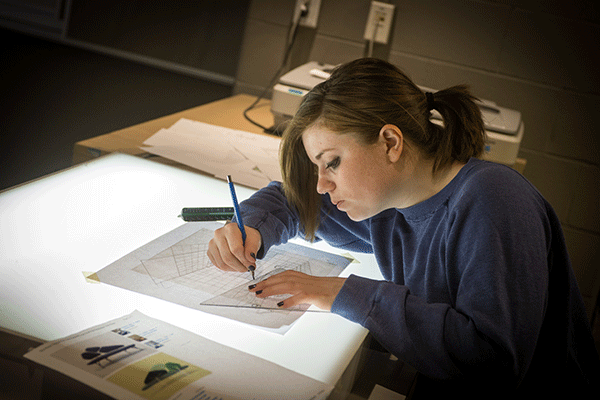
(55, 229)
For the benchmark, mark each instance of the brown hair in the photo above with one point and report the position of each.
(362, 96)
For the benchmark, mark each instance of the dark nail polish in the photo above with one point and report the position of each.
(258, 292)
(251, 268)
(251, 286)
(253, 255)
(280, 304)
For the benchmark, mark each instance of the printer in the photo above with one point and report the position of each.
(504, 127)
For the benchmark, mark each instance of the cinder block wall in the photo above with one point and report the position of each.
(539, 57)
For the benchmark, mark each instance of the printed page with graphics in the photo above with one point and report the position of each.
(138, 357)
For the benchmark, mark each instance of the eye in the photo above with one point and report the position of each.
(333, 164)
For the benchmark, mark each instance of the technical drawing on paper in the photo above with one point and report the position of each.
(175, 267)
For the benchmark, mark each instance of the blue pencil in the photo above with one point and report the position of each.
(238, 215)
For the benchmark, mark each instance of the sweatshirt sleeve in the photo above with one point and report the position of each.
(269, 212)
(277, 221)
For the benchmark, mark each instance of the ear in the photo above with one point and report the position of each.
(393, 139)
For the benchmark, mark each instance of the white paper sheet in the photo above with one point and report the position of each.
(138, 357)
(175, 267)
(251, 159)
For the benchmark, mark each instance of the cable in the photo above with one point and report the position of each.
(291, 38)
(373, 36)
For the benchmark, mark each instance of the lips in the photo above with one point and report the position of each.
(338, 203)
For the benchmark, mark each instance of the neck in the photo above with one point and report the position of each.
(420, 183)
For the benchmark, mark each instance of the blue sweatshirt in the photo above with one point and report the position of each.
(478, 284)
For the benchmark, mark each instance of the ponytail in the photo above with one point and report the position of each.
(462, 135)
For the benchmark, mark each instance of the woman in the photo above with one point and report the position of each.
(478, 285)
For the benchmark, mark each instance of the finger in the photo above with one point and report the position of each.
(242, 250)
(215, 257)
(221, 253)
(284, 277)
(321, 302)
(231, 261)
(293, 301)
(274, 288)
(253, 244)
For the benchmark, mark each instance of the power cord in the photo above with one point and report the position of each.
(373, 36)
(291, 38)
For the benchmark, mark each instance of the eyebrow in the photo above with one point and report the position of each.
(318, 156)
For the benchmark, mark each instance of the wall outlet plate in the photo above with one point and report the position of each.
(311, 19)
(379, 22)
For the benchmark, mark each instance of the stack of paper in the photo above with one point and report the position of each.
(251, 159)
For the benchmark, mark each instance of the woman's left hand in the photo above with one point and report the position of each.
(304, 289)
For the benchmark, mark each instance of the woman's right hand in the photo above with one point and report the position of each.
(226, 249)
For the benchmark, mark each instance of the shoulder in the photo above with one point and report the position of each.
(494, 183)
(488, 190)
(497, 211)
(489, 176)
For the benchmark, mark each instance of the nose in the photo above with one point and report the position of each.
(324, 185)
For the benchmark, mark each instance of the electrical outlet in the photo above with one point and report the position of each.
(379, 22)
(313, 7)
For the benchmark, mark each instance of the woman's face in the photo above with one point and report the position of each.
(357, 177)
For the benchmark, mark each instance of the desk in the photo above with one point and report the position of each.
(54, 229)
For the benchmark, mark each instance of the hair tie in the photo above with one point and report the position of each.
(430, 101)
